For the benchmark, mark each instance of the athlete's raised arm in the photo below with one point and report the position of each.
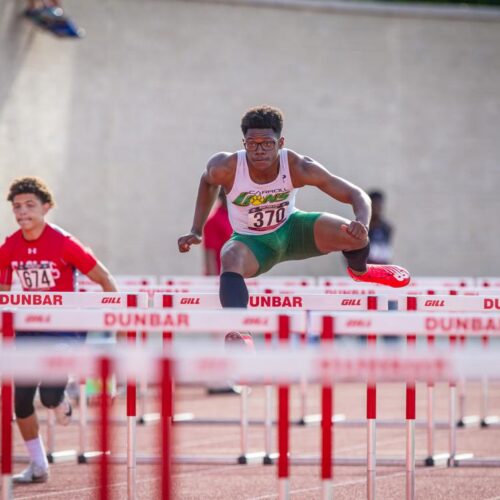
(307, 172)
(219, 173)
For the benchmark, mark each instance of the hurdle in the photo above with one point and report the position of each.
(418, 324)
(485, 303)
(70, 300)
(123, 280)
(325, 367)
(155, 320)
(302, 301)
(262, 281)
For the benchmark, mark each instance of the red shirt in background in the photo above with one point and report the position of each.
(48, 263)
(217, 231)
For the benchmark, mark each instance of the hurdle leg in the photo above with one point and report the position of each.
(6, 447)
(268, 425)
(486, 420)
(131, 430)
(371, 453)
(371, 416)
(104, 374)
(143, 390)
(7, 412)
(242, 459)
(410, 441)
(327, 441)
(268, 413)
(283, 418)
(452, 437)
(51, 424)
(283, 437)
(463, 419)
(82, 422)
(303, 388)
(167, 413)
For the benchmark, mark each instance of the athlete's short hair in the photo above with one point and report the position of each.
(33, 185)
(263, 117)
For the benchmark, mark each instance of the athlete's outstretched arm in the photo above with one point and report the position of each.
(308, 172)
(100, 275)
(216, 174)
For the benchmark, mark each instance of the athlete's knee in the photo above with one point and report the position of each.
(232, 259)
(23, 403)
(51, 396)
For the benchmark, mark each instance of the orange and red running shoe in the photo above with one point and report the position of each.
(388, 275)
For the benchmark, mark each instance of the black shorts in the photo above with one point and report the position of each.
(51, 395)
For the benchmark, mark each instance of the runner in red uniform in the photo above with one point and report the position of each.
(44, 258)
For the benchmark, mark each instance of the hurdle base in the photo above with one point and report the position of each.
(478, 462)
(56, 457)
(490, 421)
(270, 458)
(90, 456)
(353, 461)
(469, 421)
(148, 418)
(217, 459)
(386, 423)
(315, 419)
(151, 418)
(21, 459)
(456, 460)
(251, 458)
(437, 459)
(183, 417)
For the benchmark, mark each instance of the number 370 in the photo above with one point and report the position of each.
(275, 216)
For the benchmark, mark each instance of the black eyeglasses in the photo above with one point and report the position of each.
(254, 146)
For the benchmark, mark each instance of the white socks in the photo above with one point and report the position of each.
(37, 453)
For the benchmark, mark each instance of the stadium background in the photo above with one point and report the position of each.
(122, 122)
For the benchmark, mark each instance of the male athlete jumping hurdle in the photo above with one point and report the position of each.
(260, 182)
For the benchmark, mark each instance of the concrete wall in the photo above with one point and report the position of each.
(121, 123)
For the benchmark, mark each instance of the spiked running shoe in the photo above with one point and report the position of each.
(394, 276)
(32, 474)
(239, 340)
